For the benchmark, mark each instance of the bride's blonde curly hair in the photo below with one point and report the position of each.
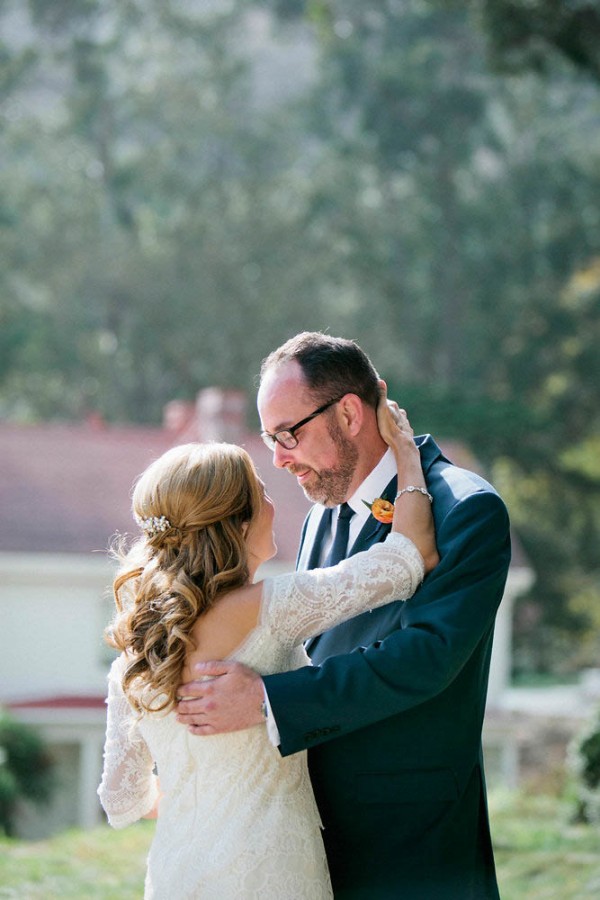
(200, 496)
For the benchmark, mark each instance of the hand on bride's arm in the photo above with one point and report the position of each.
(230, 701)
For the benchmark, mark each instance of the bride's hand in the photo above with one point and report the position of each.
(394, 427)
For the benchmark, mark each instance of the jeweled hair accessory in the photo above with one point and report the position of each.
(153, 525)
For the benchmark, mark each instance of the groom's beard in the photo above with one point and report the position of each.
(330, 486)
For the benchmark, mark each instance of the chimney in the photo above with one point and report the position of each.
(177, 415)
(221, 415)
(95, 421)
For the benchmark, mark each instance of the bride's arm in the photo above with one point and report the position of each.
(303, 604)
(412, 505)
(129, 789)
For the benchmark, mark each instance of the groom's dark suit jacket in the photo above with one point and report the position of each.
(392, 710)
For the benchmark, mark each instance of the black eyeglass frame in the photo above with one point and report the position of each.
(272, 439)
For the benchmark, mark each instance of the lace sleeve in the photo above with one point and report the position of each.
(128, 789)
(302, 604)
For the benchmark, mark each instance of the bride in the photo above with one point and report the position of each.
(235, 819)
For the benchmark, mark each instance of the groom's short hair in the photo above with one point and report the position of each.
(332, 366)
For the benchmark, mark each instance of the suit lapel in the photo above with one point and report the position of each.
(324, 527)
(429, 450)
(374, 531)
(371, 533)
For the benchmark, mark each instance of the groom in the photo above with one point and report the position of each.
(391, 711)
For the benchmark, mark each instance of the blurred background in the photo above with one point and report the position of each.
(185, 184)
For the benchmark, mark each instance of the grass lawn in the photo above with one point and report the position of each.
(540, 856)
(540, 853)
(102, 863)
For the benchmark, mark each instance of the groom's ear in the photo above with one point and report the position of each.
(352, 413)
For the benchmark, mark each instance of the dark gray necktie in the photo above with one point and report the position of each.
(339, 548)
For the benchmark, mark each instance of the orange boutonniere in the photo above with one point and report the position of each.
(381, 509)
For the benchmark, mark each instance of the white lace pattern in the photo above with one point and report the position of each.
(236, 820)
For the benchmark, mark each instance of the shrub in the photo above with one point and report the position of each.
(584, 764)
(26, 769)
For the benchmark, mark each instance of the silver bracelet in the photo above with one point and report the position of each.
(411, 488)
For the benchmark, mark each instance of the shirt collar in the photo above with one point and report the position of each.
(373, 486)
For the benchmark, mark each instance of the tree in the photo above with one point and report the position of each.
(165, 226)
(526, 34)
(158, 214)
(465, 212)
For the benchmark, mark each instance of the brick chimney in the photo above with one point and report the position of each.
(178, 415)
(221, 415)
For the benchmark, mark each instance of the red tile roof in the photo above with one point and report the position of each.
(60, 702)
(67, 488)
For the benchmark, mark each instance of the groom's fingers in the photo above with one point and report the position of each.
(201, 729)
(214, 704)
(196, 699)
(195, 689)
(213, 668)
(191, 705)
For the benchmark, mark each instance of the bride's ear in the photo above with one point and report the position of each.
(245, 527)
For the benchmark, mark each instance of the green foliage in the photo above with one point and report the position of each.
(584, 766)
(552, 483)
(168, 215)
(102, 863)
(590, 752)
(155, 215)
(26, 769)
(468, 221)
(538, 854)
(526, 33)
(9, 793)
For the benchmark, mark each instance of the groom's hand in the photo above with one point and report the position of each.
(230, 701)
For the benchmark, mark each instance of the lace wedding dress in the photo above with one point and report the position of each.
(236, 820)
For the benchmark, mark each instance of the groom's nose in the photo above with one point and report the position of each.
(282, 457)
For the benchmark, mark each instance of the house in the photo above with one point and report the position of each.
(64, 493)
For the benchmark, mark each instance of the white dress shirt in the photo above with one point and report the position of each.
(371, 488)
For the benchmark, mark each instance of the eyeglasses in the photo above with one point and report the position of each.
(287, 438)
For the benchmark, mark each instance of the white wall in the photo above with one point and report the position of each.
(519, 580)
(53, 609)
